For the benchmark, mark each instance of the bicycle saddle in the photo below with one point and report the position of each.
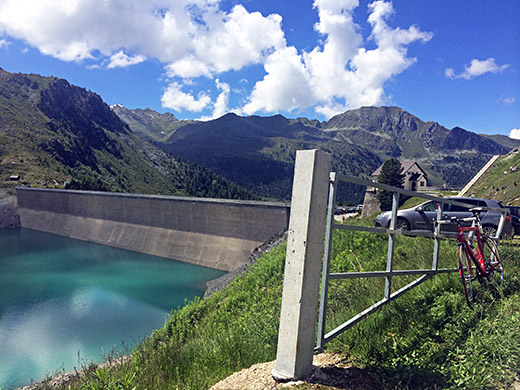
(476, 210)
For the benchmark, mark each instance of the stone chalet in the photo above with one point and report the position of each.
(415, 179)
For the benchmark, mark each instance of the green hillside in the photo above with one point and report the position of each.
(427, 339)
(258, 152)
(149, 124)
(55, 134)
(501, 181)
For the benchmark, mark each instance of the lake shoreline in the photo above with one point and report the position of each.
(71, 376)
(212, 287)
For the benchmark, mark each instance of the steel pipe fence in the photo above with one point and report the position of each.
(388, 295)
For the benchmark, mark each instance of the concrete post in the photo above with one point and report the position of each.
(303, 265)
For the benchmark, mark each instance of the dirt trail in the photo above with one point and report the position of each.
(330, 372)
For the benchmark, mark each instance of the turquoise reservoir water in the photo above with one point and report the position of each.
(62, 298)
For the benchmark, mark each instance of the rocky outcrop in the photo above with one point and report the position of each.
(9, 217)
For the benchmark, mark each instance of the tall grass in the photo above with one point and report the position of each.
(426, 339)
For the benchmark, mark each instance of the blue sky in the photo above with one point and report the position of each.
(453, 62)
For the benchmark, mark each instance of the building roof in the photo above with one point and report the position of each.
(406, 167)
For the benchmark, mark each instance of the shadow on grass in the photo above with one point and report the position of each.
(407, 378)
(373, 378)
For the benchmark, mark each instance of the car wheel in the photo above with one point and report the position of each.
(402, 224)
(489, 230)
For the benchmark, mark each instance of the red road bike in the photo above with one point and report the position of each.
(480, 261)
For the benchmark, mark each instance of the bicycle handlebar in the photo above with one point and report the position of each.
(476, 217)
(454, 220)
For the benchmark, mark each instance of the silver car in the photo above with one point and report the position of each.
(421, 217)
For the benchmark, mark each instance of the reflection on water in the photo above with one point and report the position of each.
(61, 297)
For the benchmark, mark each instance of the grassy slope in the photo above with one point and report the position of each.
(52, 132)
(426, 339)
(502, 181)
(149, 124)
(258, 153)
(19, 133)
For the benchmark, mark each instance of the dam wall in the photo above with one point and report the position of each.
(215, 233)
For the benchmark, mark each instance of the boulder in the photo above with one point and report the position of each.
(9, 217)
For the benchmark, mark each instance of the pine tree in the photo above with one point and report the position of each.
(391, 174)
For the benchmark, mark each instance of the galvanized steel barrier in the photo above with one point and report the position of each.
(312, 218)
(388, 295)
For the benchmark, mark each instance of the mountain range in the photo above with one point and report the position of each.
(54, 134)
(258, 152)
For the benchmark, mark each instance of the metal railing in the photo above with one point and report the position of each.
(388, 296)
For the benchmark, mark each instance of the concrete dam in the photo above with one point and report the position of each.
(215, 233)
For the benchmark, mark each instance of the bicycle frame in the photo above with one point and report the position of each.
(484, 267)
(475, 254)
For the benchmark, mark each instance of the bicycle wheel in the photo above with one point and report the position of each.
(465, 276)
(493, 262)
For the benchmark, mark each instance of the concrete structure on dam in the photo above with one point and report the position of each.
(215, 233)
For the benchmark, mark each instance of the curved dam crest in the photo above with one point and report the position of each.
(215, 233)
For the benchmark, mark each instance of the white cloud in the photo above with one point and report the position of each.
(121, 60)
(508, 100)
(341, 74)
(476, 68)
(514, 133)
(178, 100)
(221, 104)
(197, 38)
(165, 29)
(449, 73)
(3, 43)
(188, 67)
(226, 42)
(220, 107)
(285, 86)
(48, 26)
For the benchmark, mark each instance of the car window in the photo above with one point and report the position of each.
(472, 202)
(454, 208)
(514, 210)
(430, 206)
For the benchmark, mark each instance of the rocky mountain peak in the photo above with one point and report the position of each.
(391, 120)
